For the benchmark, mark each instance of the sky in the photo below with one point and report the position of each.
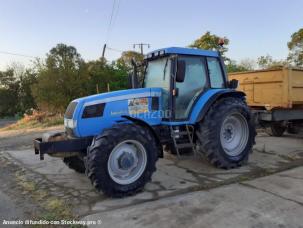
(255, 27)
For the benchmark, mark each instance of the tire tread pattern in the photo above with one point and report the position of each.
(100, 149)
(208, 130)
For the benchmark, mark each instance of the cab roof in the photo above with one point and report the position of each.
(181, 51)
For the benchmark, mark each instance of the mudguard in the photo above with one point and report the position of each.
(198, 116)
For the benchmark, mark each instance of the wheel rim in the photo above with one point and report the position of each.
(127, 162)
(234, 134)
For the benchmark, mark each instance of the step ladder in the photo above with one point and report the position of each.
(188, 133)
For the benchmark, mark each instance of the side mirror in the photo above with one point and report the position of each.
(180, 71)
(233, 84)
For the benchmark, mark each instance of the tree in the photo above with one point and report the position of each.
(103, 75)
(124, 63)
(60, 78)
(126, 59)
(233, 66)
(267, 62)
(295, 46)
(65, 76)
(210, 41)
(25, 96)
(9, 86)
(248, 63)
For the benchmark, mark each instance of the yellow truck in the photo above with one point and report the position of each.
(275, 97)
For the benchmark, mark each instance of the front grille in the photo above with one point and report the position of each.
(70, 110)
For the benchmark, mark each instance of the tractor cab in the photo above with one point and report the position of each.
(183, 74)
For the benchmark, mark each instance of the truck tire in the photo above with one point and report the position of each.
(276, 129)
(75, 163)
(293, 130)
(122, 160)
(226, 135)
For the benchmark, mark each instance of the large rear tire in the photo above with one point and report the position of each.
(122, 160)
(227, 133)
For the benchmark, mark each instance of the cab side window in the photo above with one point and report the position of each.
(215, 73)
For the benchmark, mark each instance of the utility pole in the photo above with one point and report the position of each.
(141, 45)
(103, 52)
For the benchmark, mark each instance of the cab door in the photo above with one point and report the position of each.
(194, 84)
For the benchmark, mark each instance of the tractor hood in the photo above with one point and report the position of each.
(89, 115)
(118, 95)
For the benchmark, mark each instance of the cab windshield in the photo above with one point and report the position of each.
(158, 74)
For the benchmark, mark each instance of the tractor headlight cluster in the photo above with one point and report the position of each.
(69, 123)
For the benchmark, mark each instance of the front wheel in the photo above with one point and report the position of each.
(121, 160)
(76, 163)
(227, 134)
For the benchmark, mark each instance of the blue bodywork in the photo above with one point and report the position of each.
(116, 106)
(184, 51)
(119, 104)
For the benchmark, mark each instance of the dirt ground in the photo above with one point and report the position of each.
(48, 189)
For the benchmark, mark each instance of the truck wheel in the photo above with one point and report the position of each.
(75, 163)
(122, 160)
(293, 130)
(227, 133)
(276, 129)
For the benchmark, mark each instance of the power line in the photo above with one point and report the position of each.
(17, 54)
(110, 21)
(116, 14)
(114, 49)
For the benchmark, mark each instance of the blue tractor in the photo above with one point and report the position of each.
(184, 103)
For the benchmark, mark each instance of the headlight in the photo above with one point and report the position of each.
(70, 110)
(70, 123)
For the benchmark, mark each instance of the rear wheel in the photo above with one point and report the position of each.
(276, 129)
(121, 160)
(227, 134)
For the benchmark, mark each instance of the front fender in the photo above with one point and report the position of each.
(208, 99)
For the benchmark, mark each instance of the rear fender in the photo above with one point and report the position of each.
(215, 97)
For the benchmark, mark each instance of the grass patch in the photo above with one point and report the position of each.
(36, 120)
(54, 208)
